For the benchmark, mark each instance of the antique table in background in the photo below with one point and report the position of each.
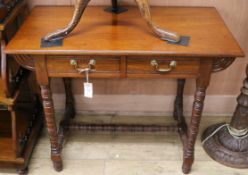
(123, 47)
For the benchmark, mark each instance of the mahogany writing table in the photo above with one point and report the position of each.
(121, 46)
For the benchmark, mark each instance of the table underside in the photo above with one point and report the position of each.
(49, 66)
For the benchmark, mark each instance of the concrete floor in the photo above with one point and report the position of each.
(126, 154)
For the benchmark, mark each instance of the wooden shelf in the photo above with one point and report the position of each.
(8, 155)
(5, 125)
(23, 117)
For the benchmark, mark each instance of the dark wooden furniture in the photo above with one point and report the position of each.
(116, 43)
(20, 112)
(5, 7)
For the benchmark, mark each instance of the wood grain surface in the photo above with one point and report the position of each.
(106, 34)
(235, 16)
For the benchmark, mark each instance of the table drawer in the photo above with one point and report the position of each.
(105, 67)
(162, 67)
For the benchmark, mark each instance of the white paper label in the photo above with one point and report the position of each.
(88, 90)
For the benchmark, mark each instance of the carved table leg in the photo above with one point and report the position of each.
(202, 83)
(69, 111)
(51, 126)
(178, 111)
(193, 130)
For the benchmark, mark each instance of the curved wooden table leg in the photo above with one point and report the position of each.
(146, 14)
(78, 12)
(202, 83)
(51, 126)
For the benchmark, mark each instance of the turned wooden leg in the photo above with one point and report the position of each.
(146, 14)
(78, 12)
(194, 128)
(51, 126)
(202, 83)
(178, 111)
(69, 111)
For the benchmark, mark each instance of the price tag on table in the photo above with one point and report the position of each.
(88, 90)
(88, 87)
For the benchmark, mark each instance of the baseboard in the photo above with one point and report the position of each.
(215, 105)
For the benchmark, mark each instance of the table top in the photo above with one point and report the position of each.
(102, 33)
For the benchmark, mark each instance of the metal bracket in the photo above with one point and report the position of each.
(52, 43)
(184, 41)
(115, 8)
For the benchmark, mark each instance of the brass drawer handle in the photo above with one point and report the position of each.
(91, 65)
(156, 66)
